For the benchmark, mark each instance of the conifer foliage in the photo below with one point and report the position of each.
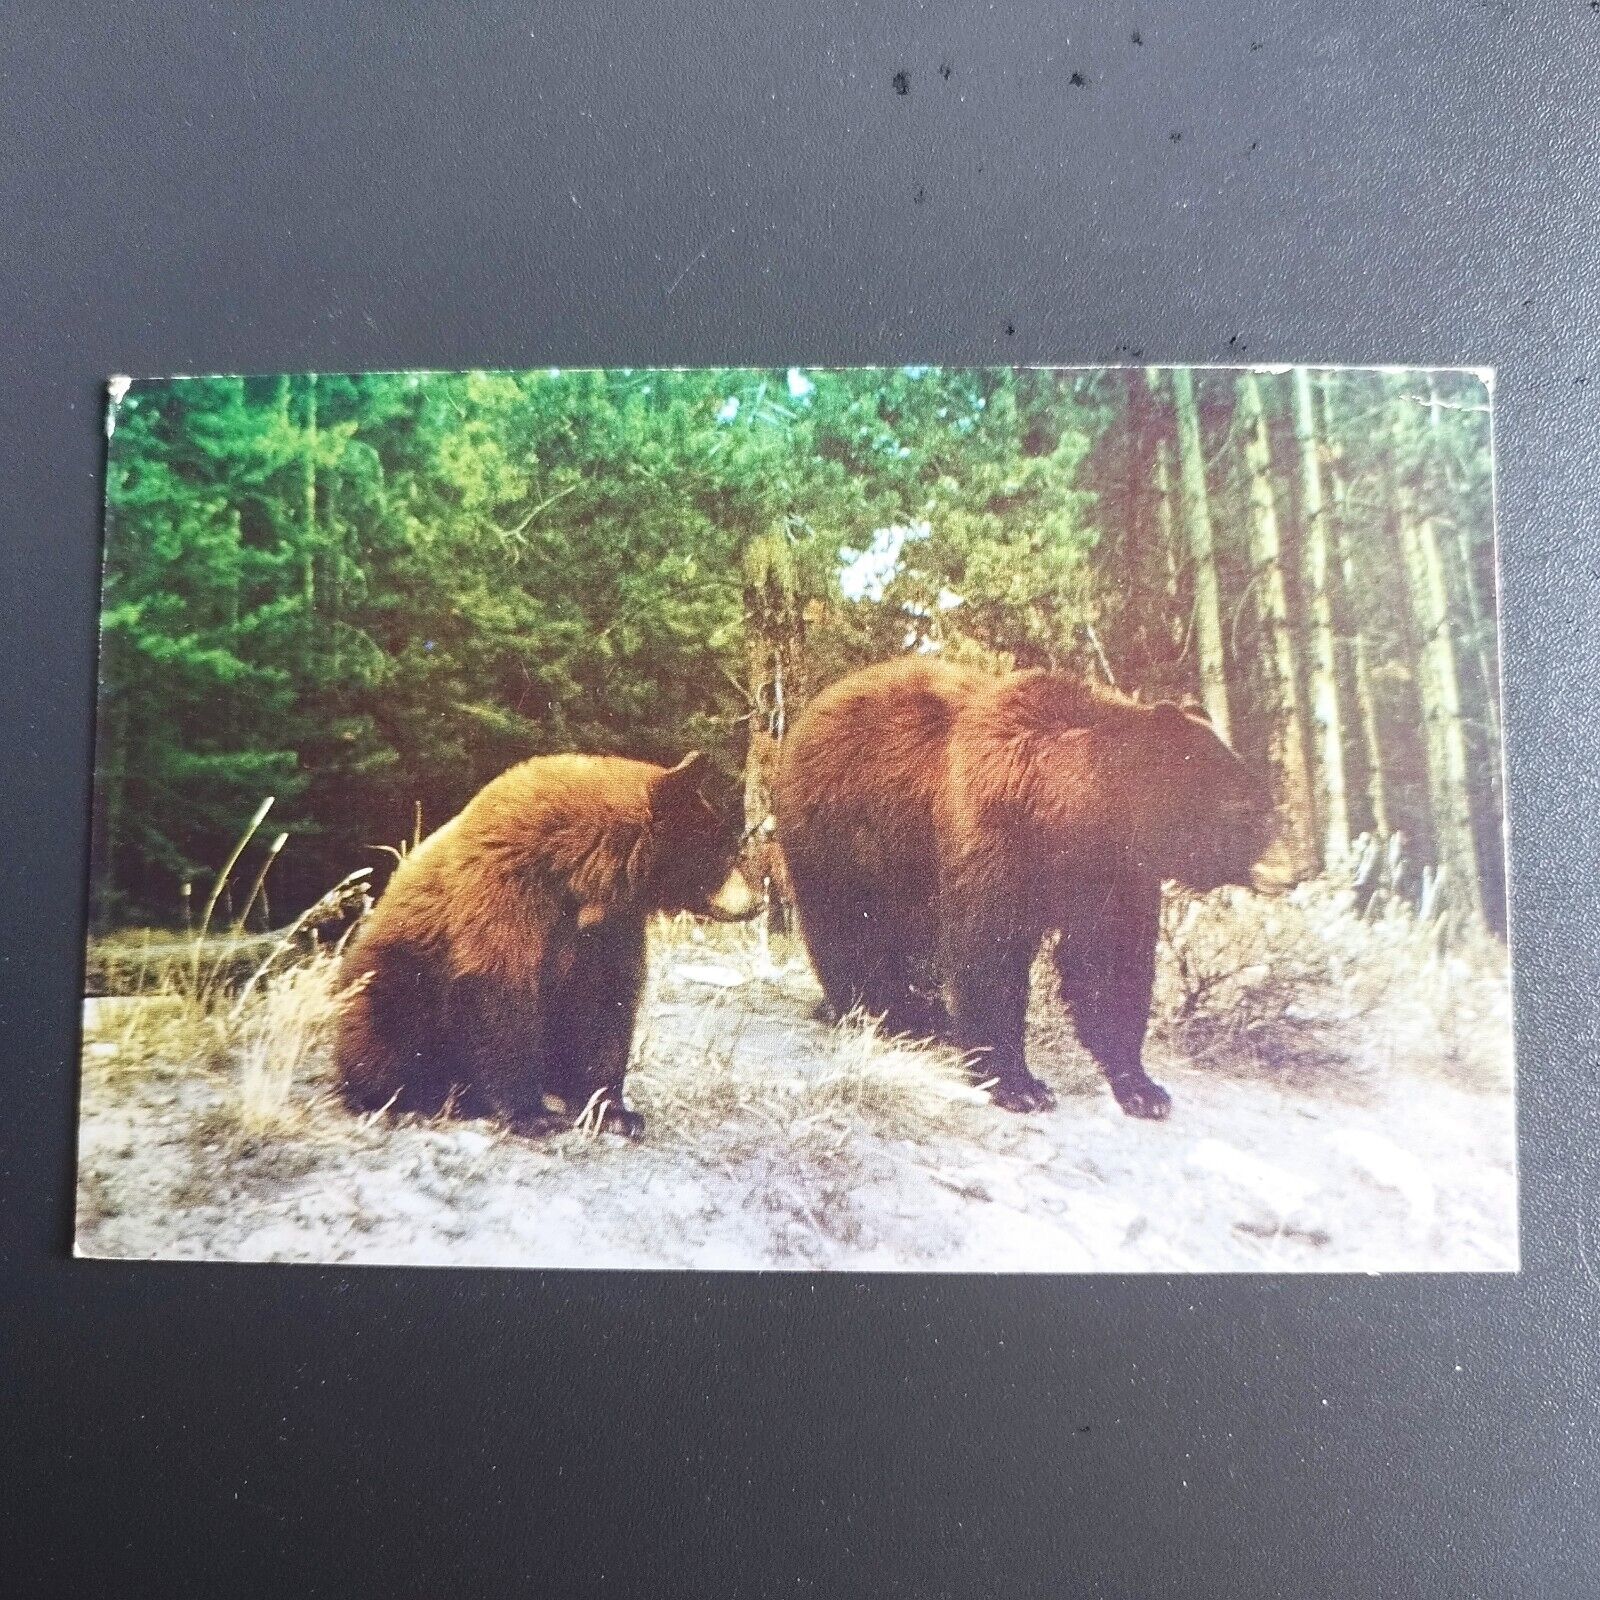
(368, 595)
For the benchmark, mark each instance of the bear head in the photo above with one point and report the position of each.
(693, 860)
(1198, 814)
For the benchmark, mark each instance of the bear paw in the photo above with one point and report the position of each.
(630, 1124)
(1022, 1094)
(1142, 1097)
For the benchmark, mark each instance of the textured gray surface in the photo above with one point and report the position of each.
(199, 186)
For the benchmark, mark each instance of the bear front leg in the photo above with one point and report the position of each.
(592, 1024)
(609, 1063)
(1106, 961)
(600, 1041)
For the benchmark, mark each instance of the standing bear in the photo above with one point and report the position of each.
(499, 974)
(938, 822)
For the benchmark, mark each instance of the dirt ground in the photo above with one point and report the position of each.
(766, 1148)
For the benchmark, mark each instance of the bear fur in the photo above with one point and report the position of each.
(500, 972)
(938, 822)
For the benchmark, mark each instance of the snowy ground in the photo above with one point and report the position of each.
(764, 1152)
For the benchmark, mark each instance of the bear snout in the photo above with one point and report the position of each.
(734, 901)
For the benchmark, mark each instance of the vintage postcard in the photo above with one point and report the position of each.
(918, 818)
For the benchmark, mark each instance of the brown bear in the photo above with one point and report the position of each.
(499, 974)
(938, 822)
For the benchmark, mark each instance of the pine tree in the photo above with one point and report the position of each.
(1202, 555)
(1350, 624)
(1286, 739)
(1417, 454)
(1322, 672)
(362, 595)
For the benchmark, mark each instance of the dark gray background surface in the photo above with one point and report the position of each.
(211, 187)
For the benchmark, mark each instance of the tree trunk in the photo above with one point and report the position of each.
(1202, 554)
(774, 633)
(767, 692)
(1156, 493)
(1322, 679)
(1482, 636)
(1438, 682)
(1165, 525)
(1467, 587)
(1286, 743)
(766, 608)
(1366, 703)
(1463, 581)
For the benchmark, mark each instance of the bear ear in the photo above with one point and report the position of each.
(1167, 716)
(678, 783)
(1194, 706)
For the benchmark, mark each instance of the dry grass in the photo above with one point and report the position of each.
(770, 1138)
(265, 1042)
(807, 1104)
(259, 1024)
(158, 1026)
(1302, 989)
(278, 1047)
(897, 1087)
(739, 1079)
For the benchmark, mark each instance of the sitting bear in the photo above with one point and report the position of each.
(937, 822)
(499, 974)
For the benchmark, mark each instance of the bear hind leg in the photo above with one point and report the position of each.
(388, 1050)
(989, 1015)
(865, 956)
(987, 959)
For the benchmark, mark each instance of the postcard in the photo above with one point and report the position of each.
(893, 819)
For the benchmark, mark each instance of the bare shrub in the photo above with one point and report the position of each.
(1243, 982)
(1309, 986)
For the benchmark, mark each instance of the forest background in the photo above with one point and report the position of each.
(365, 596)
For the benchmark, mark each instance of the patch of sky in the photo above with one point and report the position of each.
(865, 574)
